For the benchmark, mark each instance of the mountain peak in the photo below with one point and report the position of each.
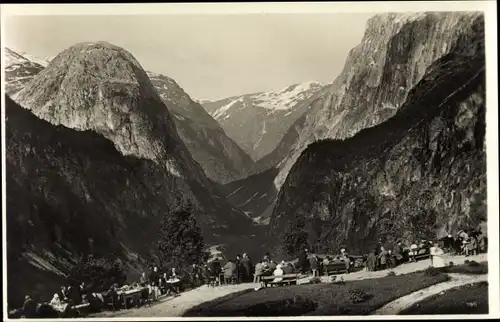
(102, 87)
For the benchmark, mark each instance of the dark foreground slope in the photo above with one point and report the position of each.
(71, 192)
(422, 172)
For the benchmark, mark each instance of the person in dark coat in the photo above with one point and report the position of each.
(398, 253)
(194, 274)
(246, 268)
(29, 308)
(371, 261)
(303, 262)
(238, 268)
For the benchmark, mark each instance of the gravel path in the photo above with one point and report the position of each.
(176, 306)
(456, 280)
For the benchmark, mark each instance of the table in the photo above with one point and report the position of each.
(134, 294)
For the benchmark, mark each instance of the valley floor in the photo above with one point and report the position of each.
(177, 306)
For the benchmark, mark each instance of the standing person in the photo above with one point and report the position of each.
(238, 268)
(154, 280)
(194, 274)
(246, 268)
(383, 258)
(371, 261)
(303, 260)
(314, 265)
(398, 253)
(63, 294)
(413, 252)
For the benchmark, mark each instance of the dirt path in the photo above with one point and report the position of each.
(456, 280)
(176, 306)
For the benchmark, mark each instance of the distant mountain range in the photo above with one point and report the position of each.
(257, 122)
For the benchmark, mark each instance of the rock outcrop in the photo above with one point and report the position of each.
(421, 173)
(257, 122)
(393, 56)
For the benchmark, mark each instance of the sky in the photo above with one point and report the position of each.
(210, 56)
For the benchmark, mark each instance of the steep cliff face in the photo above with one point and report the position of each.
(422, 173)
(101, 87)
(257, 122)
(393, 56)
(220, 157)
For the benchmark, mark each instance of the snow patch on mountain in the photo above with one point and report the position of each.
(288, 97)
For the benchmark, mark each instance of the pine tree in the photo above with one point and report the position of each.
(180, 240)
(294, 237)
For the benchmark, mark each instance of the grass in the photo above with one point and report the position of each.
(467, 299)
(351, 298)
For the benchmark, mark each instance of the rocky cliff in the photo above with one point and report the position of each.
(220, 157)
(257, 122)
(393, 56)
(421, 173)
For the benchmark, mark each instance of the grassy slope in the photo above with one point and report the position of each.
(468, 299)
(318, 299)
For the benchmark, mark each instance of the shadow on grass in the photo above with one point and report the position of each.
(350, 298)
(467, 299)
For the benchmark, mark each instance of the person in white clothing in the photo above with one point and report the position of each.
(278, 272)
(437, 259)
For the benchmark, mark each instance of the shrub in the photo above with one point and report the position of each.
(466, 261)
(391, 273)
(315, 280)
(473, 264)
(357, 295)
(451, 264)
(432, 271)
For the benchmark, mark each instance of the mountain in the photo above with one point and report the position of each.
(96, 97)
(419, 174)
(220, 157)
(18, 71)
(394, 54)
(257, 122)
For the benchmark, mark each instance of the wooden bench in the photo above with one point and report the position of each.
(333, 268)
(422, 253)
(287, 279)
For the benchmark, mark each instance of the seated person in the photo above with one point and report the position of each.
(271, 265)
(261, 269)
(29, 308)
(215, 268)
(175, 279)
(229, 271)
(278, 272)
(287, 268)
(346, 259)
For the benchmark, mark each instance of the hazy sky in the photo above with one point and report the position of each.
(210, 56)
